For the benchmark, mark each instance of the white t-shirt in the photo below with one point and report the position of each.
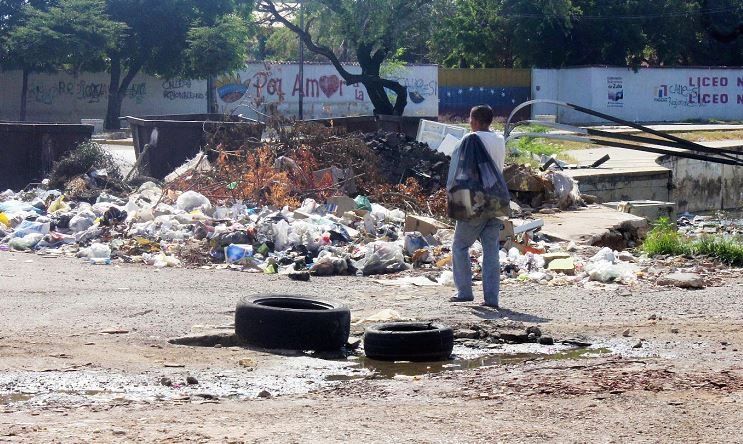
(495, 144)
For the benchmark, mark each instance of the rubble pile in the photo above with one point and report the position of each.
(288, 210)
(403, 157)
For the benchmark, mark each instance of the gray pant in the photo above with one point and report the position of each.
(465, 234)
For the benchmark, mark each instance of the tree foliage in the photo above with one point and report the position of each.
(371, 30)
(71, 34)
(213, 50)
(555, 33)
(158, 39)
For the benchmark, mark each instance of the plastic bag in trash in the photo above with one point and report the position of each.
(363, 203)
(605, 271)
(446, 279)
(476, 188)
(414, 242)
(381, 258)
(97, 253)
(281, 235)
(191, 200)
(605, 254)
(160, 260)
(238, 254)
(82, 221)
(12, 207)
(26, 242)
(113, 216)
(566, 190)
(329, 266)
(28, 227)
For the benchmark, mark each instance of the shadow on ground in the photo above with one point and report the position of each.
(491, 313)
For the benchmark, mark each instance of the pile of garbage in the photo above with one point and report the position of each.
(700, 225)
(343, 236)
(284, 208)
(402, 157)
(157, 228)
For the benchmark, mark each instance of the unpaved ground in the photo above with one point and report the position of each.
(63, 380)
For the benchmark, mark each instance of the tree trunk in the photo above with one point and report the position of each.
(24, 95)
(211, 97)
(113, 108)
(117, 91)
(371, 65)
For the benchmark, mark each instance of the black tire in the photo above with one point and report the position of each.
(292, 322)
(409, 341)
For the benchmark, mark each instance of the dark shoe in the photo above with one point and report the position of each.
(456, 299)
(485, 304)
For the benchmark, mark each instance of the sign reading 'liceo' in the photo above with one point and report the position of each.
(701, 91)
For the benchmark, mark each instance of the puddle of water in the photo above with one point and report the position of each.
(388, 370)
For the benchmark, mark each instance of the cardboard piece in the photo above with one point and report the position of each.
(424, 225)
(343, 204)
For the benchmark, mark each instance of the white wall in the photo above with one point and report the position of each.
(263, 86)
(648, 95)
(66, 99)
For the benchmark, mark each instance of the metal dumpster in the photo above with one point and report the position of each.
(173, 139)
(28, 150)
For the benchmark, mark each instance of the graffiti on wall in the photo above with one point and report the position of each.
(180, 89)
(419, 89)
(47, 93)
(270, 85)
(700, 91)
(275, 85)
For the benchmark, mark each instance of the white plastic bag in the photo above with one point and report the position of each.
(381, 258)
(281, 235)
(191, 200)
(605, 254)
(82, 221)
(605, 271)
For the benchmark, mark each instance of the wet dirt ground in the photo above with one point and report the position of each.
(85, 357)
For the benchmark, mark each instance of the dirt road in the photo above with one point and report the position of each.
(83, 354)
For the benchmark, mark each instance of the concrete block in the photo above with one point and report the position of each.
(649, 209)
(564, 265)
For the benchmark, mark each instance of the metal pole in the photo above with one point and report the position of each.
(301, 63)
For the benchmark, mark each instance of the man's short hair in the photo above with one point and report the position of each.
(483, 114)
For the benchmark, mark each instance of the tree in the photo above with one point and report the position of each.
(555, 33)
(157, 39)
(472, 34)
(67, 36)
(213, 50)
(371, 29)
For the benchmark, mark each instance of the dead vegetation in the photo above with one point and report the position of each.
(284, 171)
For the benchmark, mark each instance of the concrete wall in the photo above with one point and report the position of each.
(704, 186)
(65, 98)
(648, 95)
(626, 186)
(502, 89)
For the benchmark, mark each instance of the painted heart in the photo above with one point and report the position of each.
(330, 85)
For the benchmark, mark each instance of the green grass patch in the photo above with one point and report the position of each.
(664, 239)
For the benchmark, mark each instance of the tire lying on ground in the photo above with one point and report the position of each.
(292, 322)
(408, 341)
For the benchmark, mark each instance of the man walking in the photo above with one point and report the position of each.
(487, 229)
